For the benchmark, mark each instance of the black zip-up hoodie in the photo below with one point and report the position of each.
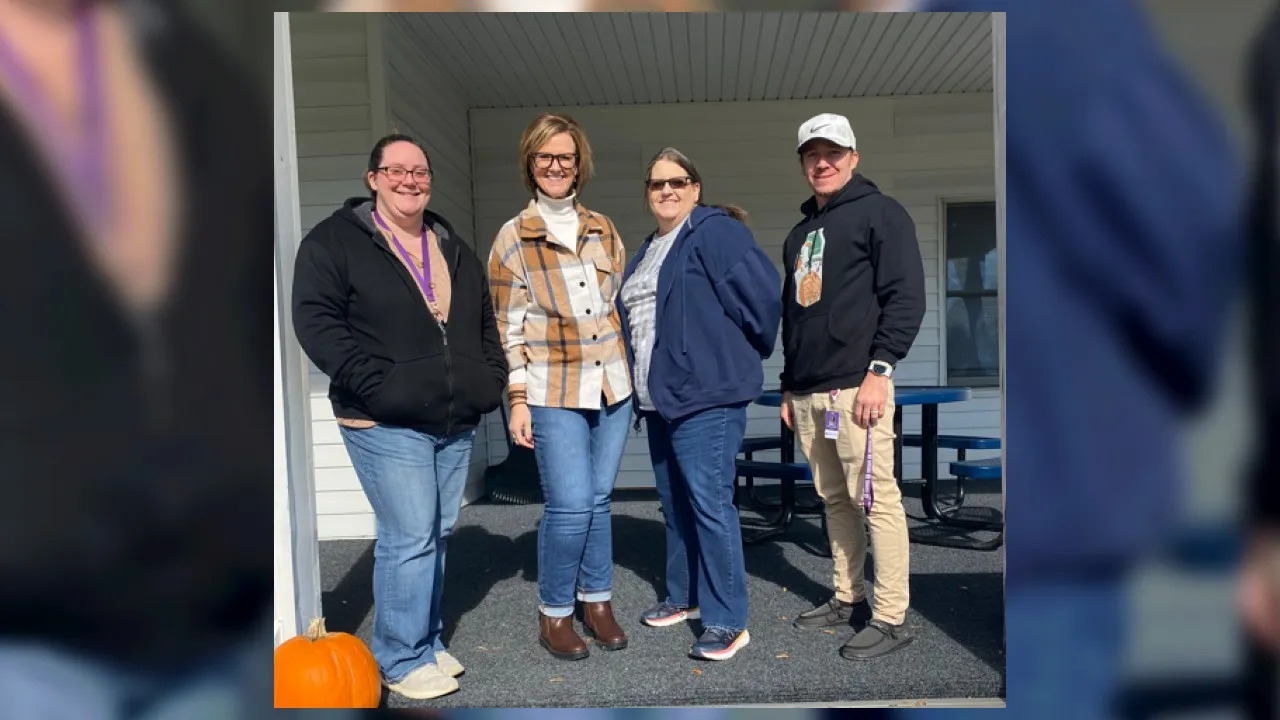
(360, 317)
(853, 289)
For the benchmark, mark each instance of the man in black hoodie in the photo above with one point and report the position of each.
(853, 299)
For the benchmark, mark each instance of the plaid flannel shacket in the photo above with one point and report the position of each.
(555, 311)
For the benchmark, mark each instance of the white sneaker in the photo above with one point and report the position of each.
(449, 664)
(424, 683)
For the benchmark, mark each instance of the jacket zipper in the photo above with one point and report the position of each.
(444, 335)
(448, 372)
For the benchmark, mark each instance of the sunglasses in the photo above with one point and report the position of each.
(679, 183)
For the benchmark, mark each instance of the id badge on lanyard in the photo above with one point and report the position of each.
(831, 431)
(832, 428)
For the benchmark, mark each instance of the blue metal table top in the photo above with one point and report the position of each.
(902, 395)
(929, 394)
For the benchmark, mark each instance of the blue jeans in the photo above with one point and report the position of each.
(578, 453)
(693, 463)
(414, 482)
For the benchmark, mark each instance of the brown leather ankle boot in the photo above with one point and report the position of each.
(557, 635)
(598, 622)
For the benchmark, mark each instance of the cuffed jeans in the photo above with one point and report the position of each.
(578, 454)
(693, 464)
(414, 482)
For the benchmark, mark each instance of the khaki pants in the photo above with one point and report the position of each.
(838, 467)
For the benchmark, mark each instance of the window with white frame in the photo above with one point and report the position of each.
(972, 306)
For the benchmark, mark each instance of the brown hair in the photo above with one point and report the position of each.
(375, 157)
(540, 131)
(671, 154)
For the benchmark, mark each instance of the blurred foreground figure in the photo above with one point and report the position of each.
(1260, 580)
(134, 437)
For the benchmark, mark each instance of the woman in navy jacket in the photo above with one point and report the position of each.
(700, 307)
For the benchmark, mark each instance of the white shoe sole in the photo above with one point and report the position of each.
(423, 695)
(693, 614)
(401, 688)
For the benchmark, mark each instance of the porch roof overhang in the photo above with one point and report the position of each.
(576, 59)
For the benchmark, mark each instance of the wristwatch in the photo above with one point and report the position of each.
(881, 368)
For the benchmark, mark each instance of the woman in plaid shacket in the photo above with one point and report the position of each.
(554, 272)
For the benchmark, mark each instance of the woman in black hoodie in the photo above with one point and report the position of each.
(393, 306)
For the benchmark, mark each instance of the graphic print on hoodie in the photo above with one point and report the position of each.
(808, 275)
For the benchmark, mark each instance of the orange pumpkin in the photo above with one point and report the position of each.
(326, 670)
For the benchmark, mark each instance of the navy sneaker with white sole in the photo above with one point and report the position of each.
(719, 644)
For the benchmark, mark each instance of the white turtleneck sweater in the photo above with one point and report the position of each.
(561, 218)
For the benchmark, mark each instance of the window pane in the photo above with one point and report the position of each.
(971, 246)
(988, 336)
(990, 273)
(973, 337)
(956, 269)
(972, 323)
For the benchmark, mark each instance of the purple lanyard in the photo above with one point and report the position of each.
(83, 151)
(868, 495)
(423, 276)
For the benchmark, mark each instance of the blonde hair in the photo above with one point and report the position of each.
(539, 133)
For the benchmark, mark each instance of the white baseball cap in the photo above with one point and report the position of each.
(830, 127)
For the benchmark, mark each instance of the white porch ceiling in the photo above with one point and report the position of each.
(505, 60)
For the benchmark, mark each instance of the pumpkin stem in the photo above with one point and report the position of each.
(316, 630)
